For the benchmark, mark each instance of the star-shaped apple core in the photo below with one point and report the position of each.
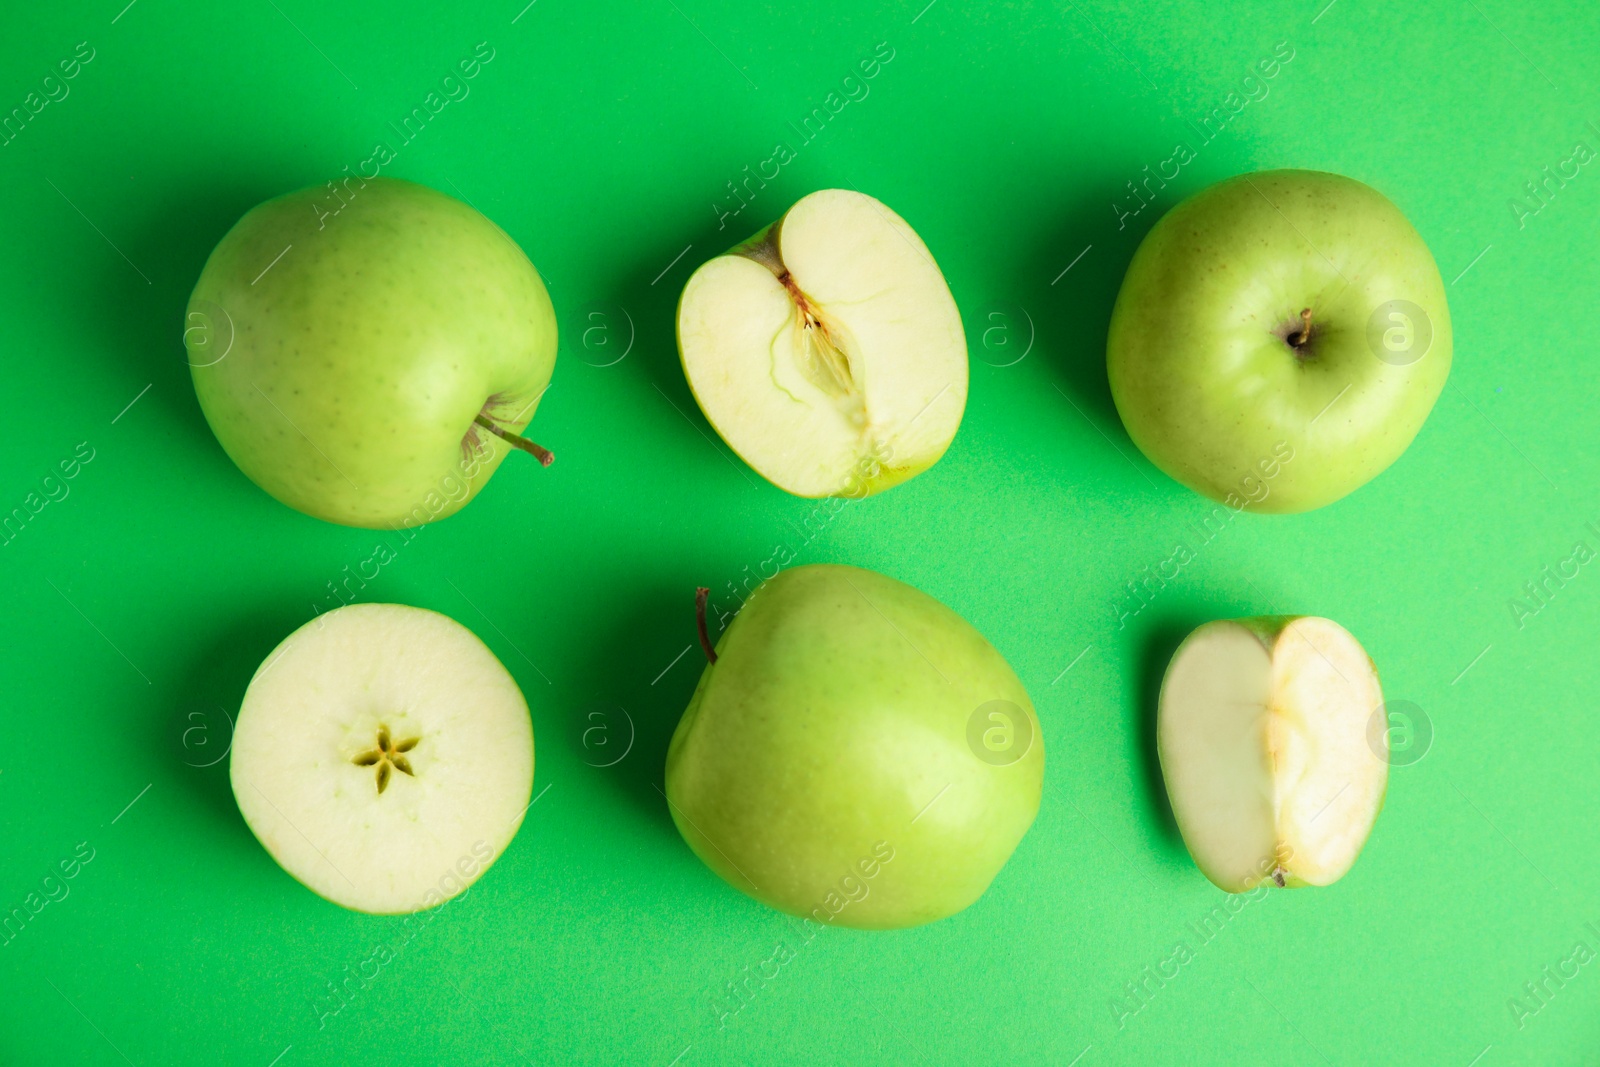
(388, 757)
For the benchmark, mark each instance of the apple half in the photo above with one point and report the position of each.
(827, 350)
(383, 756)
(1263, 741)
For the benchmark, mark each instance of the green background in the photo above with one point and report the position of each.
(601, 138)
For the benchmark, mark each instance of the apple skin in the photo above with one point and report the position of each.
(1201, 371)
(358, 361)
(818, 743)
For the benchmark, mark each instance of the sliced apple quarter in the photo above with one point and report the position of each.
(827, 349)
(1263, 738)
(383, 756)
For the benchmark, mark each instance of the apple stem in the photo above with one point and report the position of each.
(701, 595)
(538, 452)
(1303, 334)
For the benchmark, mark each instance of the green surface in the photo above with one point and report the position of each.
(602, 139)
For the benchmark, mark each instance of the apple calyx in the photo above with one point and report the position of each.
(701, 595)
(388, 757)
(538, 452)
(1301, 337)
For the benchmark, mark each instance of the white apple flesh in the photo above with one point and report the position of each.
(1263, 738)
(827, 350)
(383, 756)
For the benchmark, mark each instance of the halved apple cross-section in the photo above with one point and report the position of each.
(827, 349)
(1263, 737)
(383, 756)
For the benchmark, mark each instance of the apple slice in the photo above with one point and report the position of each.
(1263, 740)
(827, 349)
(383, 756)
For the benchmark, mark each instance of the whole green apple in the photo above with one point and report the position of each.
(1279, 339)
(368, 354)
(383, 757)
(855, 752)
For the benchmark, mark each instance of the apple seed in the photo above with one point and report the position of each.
(387, 757)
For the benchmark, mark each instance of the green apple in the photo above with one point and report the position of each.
(383, 757)
(827, 349)
(1284, 314)
(369, 354)
(855, 752)
(1263, 735)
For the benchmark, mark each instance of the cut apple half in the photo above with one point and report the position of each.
(1262, 732)
(383, 756)
(827, 349)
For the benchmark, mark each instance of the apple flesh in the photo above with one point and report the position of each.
(1214, 371)
(383, 757)
(827, 350)
(370, 367)
(857, 753)
(1263, 738)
